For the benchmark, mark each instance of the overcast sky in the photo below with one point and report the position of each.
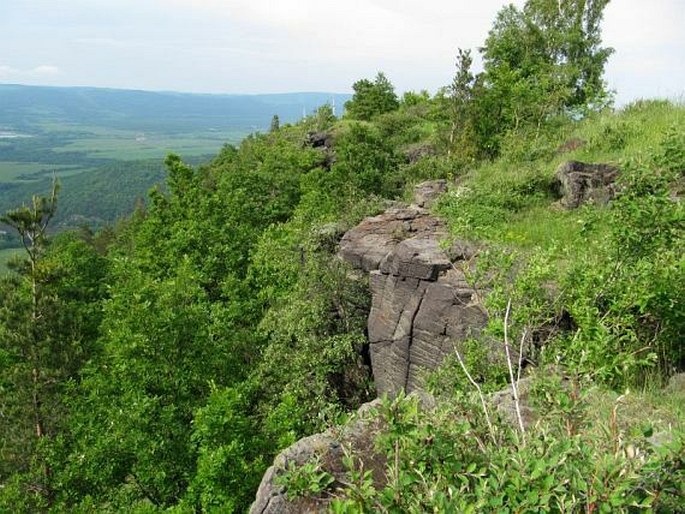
(258, 46)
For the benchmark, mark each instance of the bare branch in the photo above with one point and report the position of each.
(480, 395)
(514, 382)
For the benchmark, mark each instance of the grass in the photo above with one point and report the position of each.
(78, 148)
(132, 146)
(510, 201)
(638, 413)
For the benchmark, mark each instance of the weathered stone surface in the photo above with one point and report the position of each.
(271, 497)
(422, 304)
(676, 384)
(366, 245)
(570, 145)
(578, 183)
(415, 323)
(505, 404)
(426, 193)
(327, 449)
(418, 257)
(320, 139)
(416, 152)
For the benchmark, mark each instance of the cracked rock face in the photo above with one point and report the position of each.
(579, 183)
(421, 303)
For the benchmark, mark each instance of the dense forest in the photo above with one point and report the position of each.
(159, 364)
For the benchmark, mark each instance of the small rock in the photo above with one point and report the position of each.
(320, 139)
(415, 153)
(578, 183)
(660, 439)
(572, 144)
(676, 384)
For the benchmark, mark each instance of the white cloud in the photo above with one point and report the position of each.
(332, 43)
(649, 48)
(7, 72)
(45, 69)
(102, 41)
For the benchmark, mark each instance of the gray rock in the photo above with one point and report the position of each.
(357, 439)
(505, 404)
(320, 139)
(676, 384)
(271, 497)
(417, 257)
(578, 183)
(327, 448)
(416, 152)
(426, 193)
(661, 439)
(422, 304)
(571, 145)
(366, 245)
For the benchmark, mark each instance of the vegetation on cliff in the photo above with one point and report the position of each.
(160, 364)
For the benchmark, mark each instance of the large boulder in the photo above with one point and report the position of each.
(356, 439)
(367, 244)
(578, 183)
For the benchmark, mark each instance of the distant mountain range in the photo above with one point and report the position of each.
(22, 108)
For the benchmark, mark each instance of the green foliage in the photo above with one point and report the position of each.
(444, 461)
(412, 98)
(461, 136)
(547, 57)
(483, 208)
(617, 270)
(49, 319)
(371, 98)
(311, 367)
(322, 119)
(540, 62)
(671, 153)
(304, 481)
(184, 347)
(366, 162)
(627, 299)
(230, 453)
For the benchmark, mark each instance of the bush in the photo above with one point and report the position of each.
(625, 291)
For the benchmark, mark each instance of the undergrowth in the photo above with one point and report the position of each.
(616, 271)
(575, 458)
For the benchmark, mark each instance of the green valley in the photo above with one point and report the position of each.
(75, 132)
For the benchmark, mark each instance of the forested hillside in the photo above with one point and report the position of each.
(160, 364)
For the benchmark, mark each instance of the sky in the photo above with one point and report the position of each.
(268, 46)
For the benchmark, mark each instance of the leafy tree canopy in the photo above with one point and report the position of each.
(372, 98)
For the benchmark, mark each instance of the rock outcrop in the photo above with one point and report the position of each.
(578, 183)
(422, 304)
(327, 449)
